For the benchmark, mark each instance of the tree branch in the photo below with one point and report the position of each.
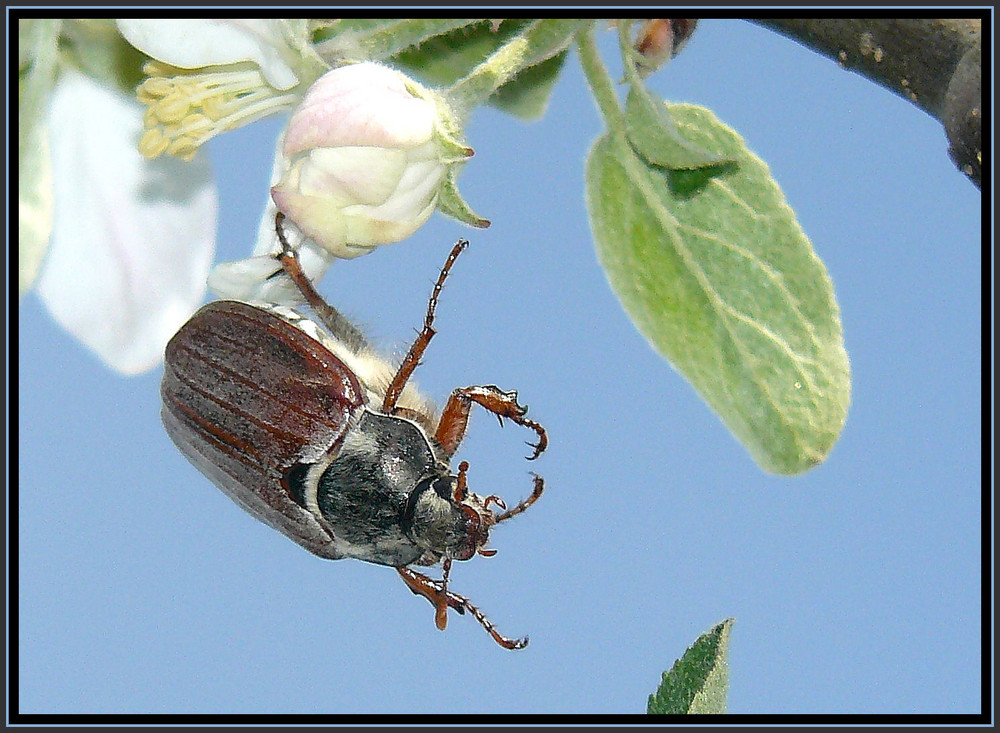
(933, 63)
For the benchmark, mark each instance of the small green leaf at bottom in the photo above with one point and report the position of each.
(699, 681)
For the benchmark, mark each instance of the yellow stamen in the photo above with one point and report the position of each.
(186, 109)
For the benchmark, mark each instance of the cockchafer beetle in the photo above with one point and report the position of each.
(318, 436)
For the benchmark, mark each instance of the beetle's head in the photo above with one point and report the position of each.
(448, 520)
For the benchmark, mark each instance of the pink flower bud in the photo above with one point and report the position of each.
(363, 161)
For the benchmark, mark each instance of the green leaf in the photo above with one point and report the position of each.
(442, 51)
(716, 273)
(450, 203)
(698, 682)
(38, 50)
(446, 58)
(376, 39)
(655, 136)
(96, 48)
(510, 65)
(527, 94)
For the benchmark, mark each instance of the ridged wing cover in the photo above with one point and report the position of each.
(247, 396)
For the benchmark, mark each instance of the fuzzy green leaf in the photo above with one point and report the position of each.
(527, 94)
(716, 273)
(377, 39)
(698, 682)
(655, 136)
(450, 203)
(38, 48)
(97, 48)
(446, 58)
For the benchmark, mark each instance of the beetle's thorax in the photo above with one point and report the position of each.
(388, 496)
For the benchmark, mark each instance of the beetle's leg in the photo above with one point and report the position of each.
(441, 609)
(412, 358)
(432, 590)
(334, 321)
(455, 417)
(441, 597)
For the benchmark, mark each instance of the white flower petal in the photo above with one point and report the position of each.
(267, 240)
(193, 44)
(250, 279)
(411, 197)
(132, 239)
(352, 175)
(241, 279)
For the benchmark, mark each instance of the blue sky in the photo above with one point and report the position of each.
(856, 587)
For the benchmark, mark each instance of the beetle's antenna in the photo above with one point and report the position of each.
(537, 492)
(333, 319)
(494, 499)
(462, 483)
(434, 592)
(419, 346)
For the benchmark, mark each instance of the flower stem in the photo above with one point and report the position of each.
(601, 85)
